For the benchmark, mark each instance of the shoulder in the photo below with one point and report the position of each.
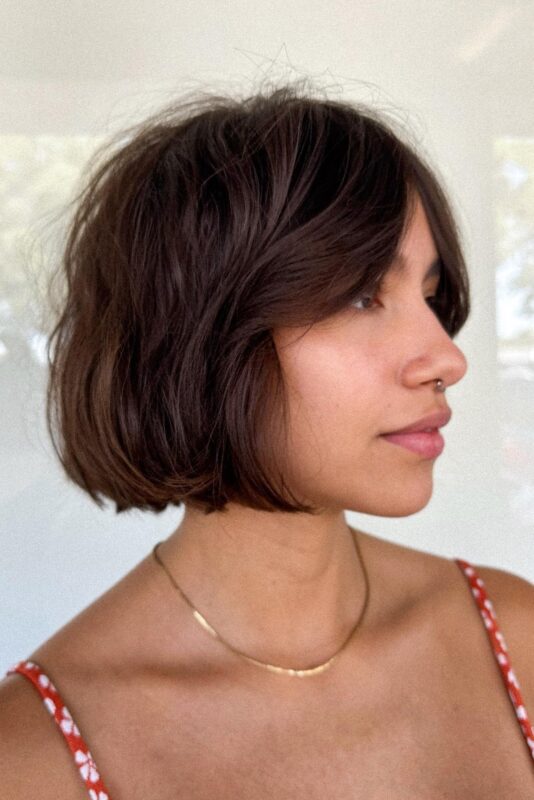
(436, 584)
(518, 591)
(512, 597)
(34, 760)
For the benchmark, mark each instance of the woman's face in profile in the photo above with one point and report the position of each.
(369, 370)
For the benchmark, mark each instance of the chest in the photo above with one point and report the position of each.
(428, 739)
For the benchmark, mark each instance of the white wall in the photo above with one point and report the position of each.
(459, 73)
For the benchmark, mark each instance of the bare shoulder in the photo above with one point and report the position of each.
(35, 760)
(29, 746)
(425, 574)
(512, 597)
(510, 589)
(406, 572)
(518, 590)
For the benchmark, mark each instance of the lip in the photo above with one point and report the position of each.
(438, 419)
(428, 445)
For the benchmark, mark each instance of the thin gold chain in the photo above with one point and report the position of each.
(272, 667)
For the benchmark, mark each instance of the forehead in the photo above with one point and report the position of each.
(417, 251)
(400, 267)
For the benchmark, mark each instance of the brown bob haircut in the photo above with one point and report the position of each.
(207, 226)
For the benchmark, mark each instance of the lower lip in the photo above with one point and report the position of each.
(428, 445)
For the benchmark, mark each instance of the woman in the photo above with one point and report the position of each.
(260, 293)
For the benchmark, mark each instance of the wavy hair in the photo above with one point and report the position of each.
(201, 230)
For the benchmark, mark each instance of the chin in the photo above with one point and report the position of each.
(401, 511)
(396, 505)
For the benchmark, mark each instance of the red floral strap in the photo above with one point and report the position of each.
(485, 606)
(89, 771)
(59, 711)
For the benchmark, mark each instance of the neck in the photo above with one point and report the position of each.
(285, 589)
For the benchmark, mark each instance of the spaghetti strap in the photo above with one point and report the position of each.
(500, 650)
(89, 771)
(70, 731)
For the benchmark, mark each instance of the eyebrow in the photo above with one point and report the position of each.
(399, 266)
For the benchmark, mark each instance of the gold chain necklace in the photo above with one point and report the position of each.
(273, 668)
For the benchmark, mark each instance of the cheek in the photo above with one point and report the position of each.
(338, 404)
(334, 405)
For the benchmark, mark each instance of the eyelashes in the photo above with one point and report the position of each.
(433, 302)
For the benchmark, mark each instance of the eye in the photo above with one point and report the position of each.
(362, 300)
(432, 301)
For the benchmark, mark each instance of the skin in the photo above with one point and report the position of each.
(263, 580)
(415, 707)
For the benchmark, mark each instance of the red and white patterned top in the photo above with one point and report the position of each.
(89, 771)
(485, 606)
(57, 708)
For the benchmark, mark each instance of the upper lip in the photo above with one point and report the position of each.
(435, 420)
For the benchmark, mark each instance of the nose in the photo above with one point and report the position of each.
(436, 356)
